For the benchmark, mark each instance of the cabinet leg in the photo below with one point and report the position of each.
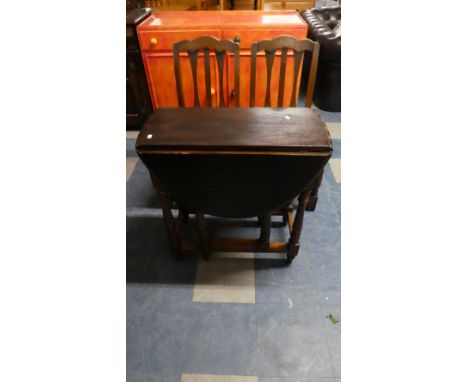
(202, 235)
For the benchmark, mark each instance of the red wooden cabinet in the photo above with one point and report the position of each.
(161, 30)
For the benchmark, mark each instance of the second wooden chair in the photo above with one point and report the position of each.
(206, 44)
(284, 44)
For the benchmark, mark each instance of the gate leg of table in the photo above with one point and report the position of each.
(169, 222)
(294, 240)
(314, 192)
(264, 239)
(202, 235)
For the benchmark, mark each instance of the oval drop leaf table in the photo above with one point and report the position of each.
(233, 163)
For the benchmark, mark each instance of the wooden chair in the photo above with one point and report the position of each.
(206, 43)
(284, 43)
(299, 48)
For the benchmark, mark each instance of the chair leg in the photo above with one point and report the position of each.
(202, 235)
(264, 239)
(294, 240)
(169, 222)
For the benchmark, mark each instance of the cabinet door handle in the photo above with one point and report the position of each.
(153, 41)
(213, 91)
(237, 39)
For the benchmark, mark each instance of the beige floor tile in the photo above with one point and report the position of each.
(131, 163)
(216, 378)
(335, 165)
(132, 134)
(335, 129)
(226, 277)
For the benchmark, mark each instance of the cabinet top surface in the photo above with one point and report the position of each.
(225, 19)
(289, 130)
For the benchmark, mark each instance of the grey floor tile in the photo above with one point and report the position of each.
(148, 256)
(320, 234)
(140, 191)
(289, 379)
(144, 299)
(277, 282)
(291, 342)
(333, 335)
(155, 338)
(130, 145)
(141, 377)
(221, 339)
(336, 148)
(326, 272)
(288, 295)
(217, 378)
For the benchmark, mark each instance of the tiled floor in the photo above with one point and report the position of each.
(240, 317)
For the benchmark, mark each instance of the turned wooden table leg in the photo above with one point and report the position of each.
(169, 222)
(202, 235)
(260, 221)
(264, 239)
(183, 214)
(294, 240)
(312, 203)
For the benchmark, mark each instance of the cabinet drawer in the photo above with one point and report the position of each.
(164, 40)
(248, 37)
(300, 5)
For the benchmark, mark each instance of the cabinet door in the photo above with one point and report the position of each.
(161, 79)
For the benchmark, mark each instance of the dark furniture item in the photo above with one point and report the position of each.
(206, 44)
(299, 47)
(138, 99)
(233, 163)
(132, 4)
(325, 28)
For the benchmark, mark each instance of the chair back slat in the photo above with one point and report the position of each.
(236, 79)
(284, 54)
(220, 48)
(253, 72)
(193, 57)
(220, 56)
(206, 54)
(180, 92)
(298, 55)
(312, 76)
(270, 57)
(284, 43)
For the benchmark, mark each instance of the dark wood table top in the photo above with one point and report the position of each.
(263, 130)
